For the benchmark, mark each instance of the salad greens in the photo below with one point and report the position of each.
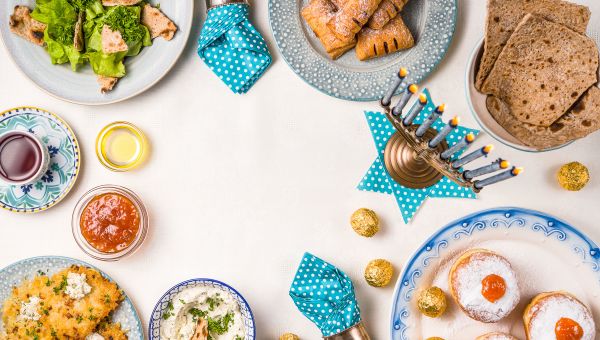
(61, 19)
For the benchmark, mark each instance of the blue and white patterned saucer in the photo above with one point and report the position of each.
(65, 160)
(26, 269)
(547, 254)
(432, 23)
(160, 308)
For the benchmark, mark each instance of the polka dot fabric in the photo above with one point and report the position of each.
(325, 295)
(232, 48)
(378, 180)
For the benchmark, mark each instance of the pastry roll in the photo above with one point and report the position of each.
(387, 10)
(376, 43)
(351, 17)
(317, 14)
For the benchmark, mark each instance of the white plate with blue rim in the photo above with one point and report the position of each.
(143, 71)
(546, 253)
(165, 303)
(432, 23)
(14, 274)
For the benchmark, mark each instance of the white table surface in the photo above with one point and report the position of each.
(239, 187)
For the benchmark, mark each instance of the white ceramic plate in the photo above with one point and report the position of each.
(81, 87)
(546, 253)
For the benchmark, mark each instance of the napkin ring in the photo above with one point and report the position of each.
(210, 4)
(356, 332)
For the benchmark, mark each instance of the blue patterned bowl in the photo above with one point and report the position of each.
(156, 317)
(432, 22)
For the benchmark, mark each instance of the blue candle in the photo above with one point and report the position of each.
(472, 156)
(400, 76)
(412, 89)
(452, 124)
(469, 138)
(437, 113)
(497, 178)
(499, 164)
(415, 110)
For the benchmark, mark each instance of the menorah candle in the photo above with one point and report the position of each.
(412, 89)
(415, 110)
(497, 178)
(452, 124)
(499, 164)
(469, 138)
(472, 156)
(435, 115)
(400, 76)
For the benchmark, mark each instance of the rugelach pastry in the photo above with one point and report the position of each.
(392, 37)
(484, 285)
(317, 14)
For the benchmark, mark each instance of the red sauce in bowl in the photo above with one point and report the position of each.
(110, 222)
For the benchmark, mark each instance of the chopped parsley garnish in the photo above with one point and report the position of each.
(220, 326)
(61, 286)
(198, 314)
(169, 312)
(80, 5)
(48, 283)
(62, 33)
(126, 20)
(79, 319)
(213, 302)
(41, 273)
(182, 301)
(106, 299)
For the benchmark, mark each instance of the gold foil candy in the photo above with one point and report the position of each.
(435, 338)
(573, 176)
(432, 302)
(365, 222)
(289, 336)
(379, 273)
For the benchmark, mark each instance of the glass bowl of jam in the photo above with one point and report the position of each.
(109, 222)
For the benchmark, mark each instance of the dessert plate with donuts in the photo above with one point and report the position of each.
(500, 274)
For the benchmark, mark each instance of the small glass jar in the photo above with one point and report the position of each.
(83, 203)
(121, 146)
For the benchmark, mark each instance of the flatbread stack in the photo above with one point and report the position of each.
(374, 27)
(540, 71)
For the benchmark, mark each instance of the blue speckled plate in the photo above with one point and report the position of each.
(156, 318)
(65, 160)
(432, 23)
(16, 273)
(546, 253)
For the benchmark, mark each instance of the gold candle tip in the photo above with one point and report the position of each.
(423, 98)
(441, 108)
(454, 121)
(516, 171)
(403, 72)
(504, 164)
(413, 88)
(470, 138)
(488, 148)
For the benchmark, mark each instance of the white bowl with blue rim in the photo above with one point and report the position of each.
(546, 253)
(156, 318)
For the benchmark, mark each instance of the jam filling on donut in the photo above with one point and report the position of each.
(568, 329)
(493, 288)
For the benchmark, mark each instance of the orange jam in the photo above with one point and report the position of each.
(110, 222)
(568, 329)
(493, 288)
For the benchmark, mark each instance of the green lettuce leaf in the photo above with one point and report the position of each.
(54, 12)
(59, 51)
(110, 65)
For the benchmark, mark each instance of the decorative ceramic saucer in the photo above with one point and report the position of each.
(27, 269)
(161, 307)
(63, 169)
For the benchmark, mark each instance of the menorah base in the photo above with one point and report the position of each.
(406, 167)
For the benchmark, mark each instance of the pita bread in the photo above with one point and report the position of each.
(120, 2)
(158, 23)
(504, 16)
(78, 36)
(544, 68)
(22, 24)
(112, 41)
(106, 83)
(580, 121)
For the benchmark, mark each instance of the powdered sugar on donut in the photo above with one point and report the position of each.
(496, 336)
(467, 281)
(547, 312)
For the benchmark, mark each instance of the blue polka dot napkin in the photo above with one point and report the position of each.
(378, 180)
(232, 48)
(325, 295)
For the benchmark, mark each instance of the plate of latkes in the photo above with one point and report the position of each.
(503, 274)
(55, 297)
(352, 49)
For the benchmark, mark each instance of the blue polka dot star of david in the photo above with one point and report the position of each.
(325, 295)
(378, 180)
(232, 48)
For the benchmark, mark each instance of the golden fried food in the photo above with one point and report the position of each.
(111, 331)
(53, 313)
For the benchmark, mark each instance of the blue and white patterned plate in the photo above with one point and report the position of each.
(27, 269)
(432, 23)
(546, 253)
(160, 308)
(65, 160)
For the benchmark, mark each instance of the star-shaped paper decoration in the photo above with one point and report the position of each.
(378, 180)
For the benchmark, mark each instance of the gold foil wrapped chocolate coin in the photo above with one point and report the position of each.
(432, 302)
(379, 273)
(289, 336)
(365, 222)
(435, 338)
(573, 176)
